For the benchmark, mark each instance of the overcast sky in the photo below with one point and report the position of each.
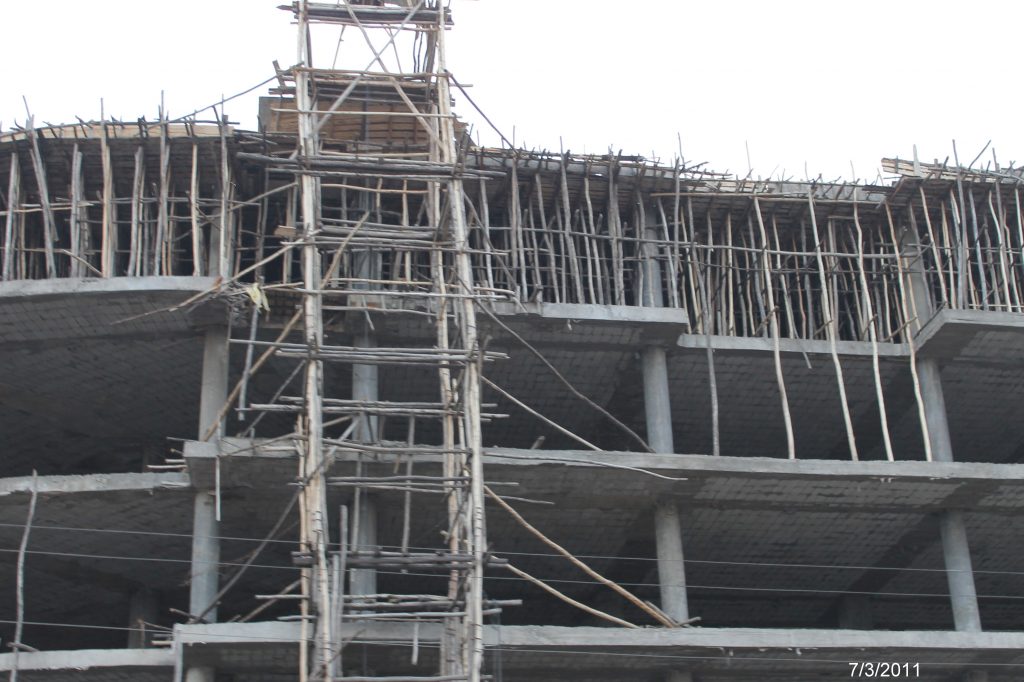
(802, 85)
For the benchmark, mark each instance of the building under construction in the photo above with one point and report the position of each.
(350, 398)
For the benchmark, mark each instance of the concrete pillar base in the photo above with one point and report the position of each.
(364, 580)
(671, 571)
(959, 574)
(205, 557)
(200, 675)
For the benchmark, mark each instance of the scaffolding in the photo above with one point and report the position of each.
(345, 161)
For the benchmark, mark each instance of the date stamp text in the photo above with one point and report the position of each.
(890, 670)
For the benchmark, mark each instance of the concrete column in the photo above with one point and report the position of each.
(143, 606)
(657, 406)
(671, 570)
(650, 269)
(959, 573)
(365, 386)
(205, 528)
(929, 374)
(658, 412)
(205, 557)
(205, 562)
(364, 538)
(955, 550)
(667, 532)
(214, 386)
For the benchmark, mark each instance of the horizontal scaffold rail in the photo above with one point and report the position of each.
(380, 166)
(369, 15)
(385, 559)
(381, 356)
(381, 408)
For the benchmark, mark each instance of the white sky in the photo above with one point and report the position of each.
(803, 84)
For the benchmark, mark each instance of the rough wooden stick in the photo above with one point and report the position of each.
(108, 249)
(773, 323)
(225, 242)
(267, 604)
(922, 418)
(935, 249)
(193, 205)
(873, 336)
(13, 198)
(331, 269)
(538, 415)
(706, 327)
(831, 331)
(629, 596)
(19, 625)
(79, 228)
(547, 363)
(135, 252)
(164, 190)
(567, 599)
(49, 228)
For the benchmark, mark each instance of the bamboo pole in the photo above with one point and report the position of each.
(226, 242)
(567, 599)
(615, 587)
(108, 252)
(135, 242)
(19, 623)
(79, 226)
(831, 331)
(193, 204)
(567, 222)
(774, 331)
(873, 337)
(13, 217)
(163, 226)
(935, 250)
(49, 227)
(911, 346)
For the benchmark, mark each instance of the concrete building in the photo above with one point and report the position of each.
(778, 422)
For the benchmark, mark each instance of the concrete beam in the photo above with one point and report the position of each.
(532, 636)
(90, 659)
(93, 483)
(651, 324)
(525, 646)
(66, 285)
(909, 486)
(742, 345)
(948, 332)
(966, 643)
